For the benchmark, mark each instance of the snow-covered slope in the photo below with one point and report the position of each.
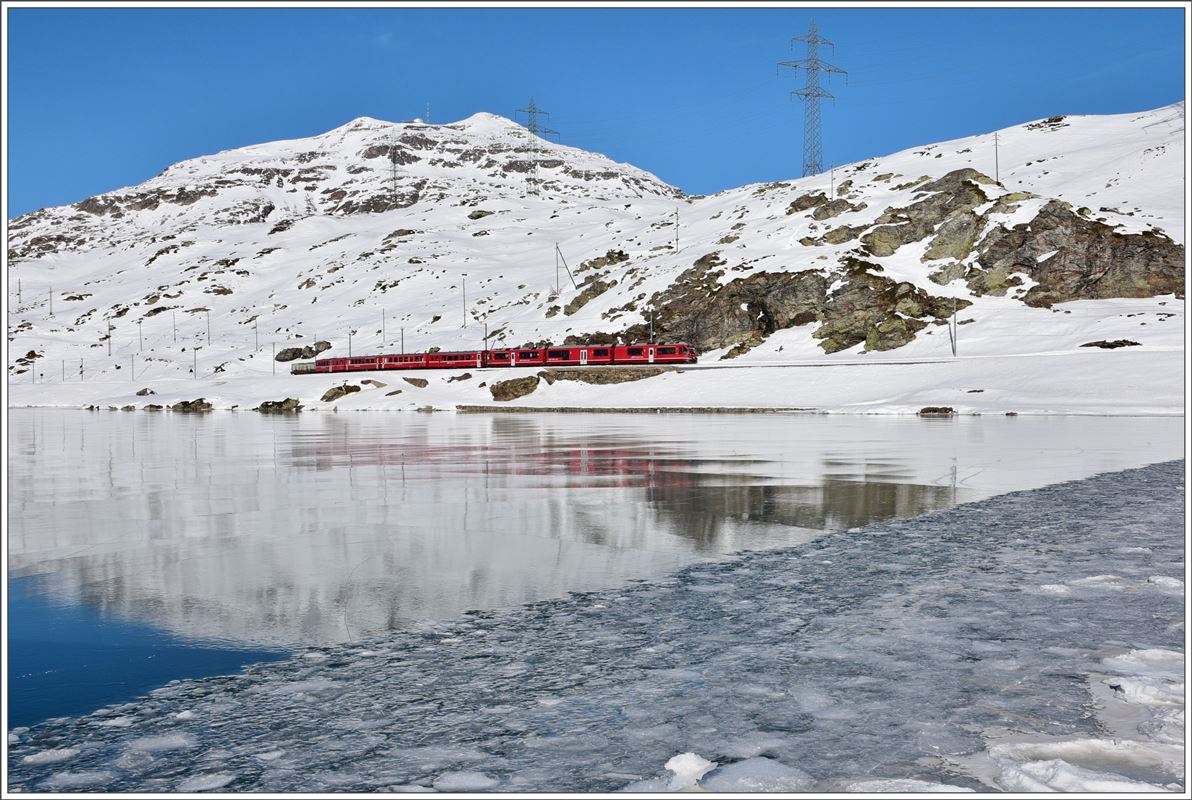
(377, 235)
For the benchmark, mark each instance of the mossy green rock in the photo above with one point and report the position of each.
(336, 392)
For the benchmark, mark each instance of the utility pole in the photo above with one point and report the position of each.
(273, 360)
(256, 337)
(350, 331)
(532, 113)
(813, 144)
(403, 341)
(51, 301)
(997, 178)
(953, 329)
(556, 269)
(194, 370)
(382, 328)
(208, 326)
(18, 294)
(174, 322)
(464, 290)
(676, 230)
(563, 258)
(109, 337)
(140, 337)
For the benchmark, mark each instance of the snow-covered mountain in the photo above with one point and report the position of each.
(377, 235)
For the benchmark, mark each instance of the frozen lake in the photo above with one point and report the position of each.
(148, 547)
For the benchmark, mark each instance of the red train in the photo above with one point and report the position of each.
(566, 356)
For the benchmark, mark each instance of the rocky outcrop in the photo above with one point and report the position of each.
(948, 198)
(421, 383)
(877, 311)
(591, 289)
(1074, 258)
(290, 404)
(1111, 345)
(310, 351)
(698, 310)
(336, 392)
(198, 404)
(514, 388)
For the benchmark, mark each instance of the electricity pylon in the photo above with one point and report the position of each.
(813, 143)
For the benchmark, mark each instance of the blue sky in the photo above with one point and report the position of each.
(105, 98)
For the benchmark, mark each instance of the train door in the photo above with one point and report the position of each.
(650, 353)
(583, 358)
(513, 358)
(479, 360)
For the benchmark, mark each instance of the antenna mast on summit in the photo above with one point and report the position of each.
(813, 145)
(532, 113)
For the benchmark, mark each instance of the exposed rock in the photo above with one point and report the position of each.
(1089, 259)
(804, 202)
(835, 208)
(591, 290)
(374, 384)
(394, 393)
(191, 405)
(514, 388)
(309, 351)
(698, 310)
(479, 214)
(467, 376)
(279, 406)
(420, 383)
(145, 391)
(949, 273)
(955, 236)
(606, 260)
(957, 191)
(1112, 345)
(151, 407)
(336, 392)
(878, 311)
(936, 411)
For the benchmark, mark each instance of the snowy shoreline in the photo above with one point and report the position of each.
(1036, 635)
(1147, 382)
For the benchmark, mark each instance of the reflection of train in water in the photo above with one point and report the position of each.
(567, 356)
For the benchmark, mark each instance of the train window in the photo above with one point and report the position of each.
(528, 354)
(635, 351)
(500, 356)
(666, 351)
(557, 354)
(600, 352)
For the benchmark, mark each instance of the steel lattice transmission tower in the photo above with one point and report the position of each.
(532, 113)
(813, 139)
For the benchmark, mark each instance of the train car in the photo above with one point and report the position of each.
(680, 353)
(474, 358)
(415, 361)
(562, 356)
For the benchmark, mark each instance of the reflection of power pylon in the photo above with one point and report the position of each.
(813, 145)
(532, 113)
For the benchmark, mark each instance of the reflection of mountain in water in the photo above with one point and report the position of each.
(279, 532)
(702, 511)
